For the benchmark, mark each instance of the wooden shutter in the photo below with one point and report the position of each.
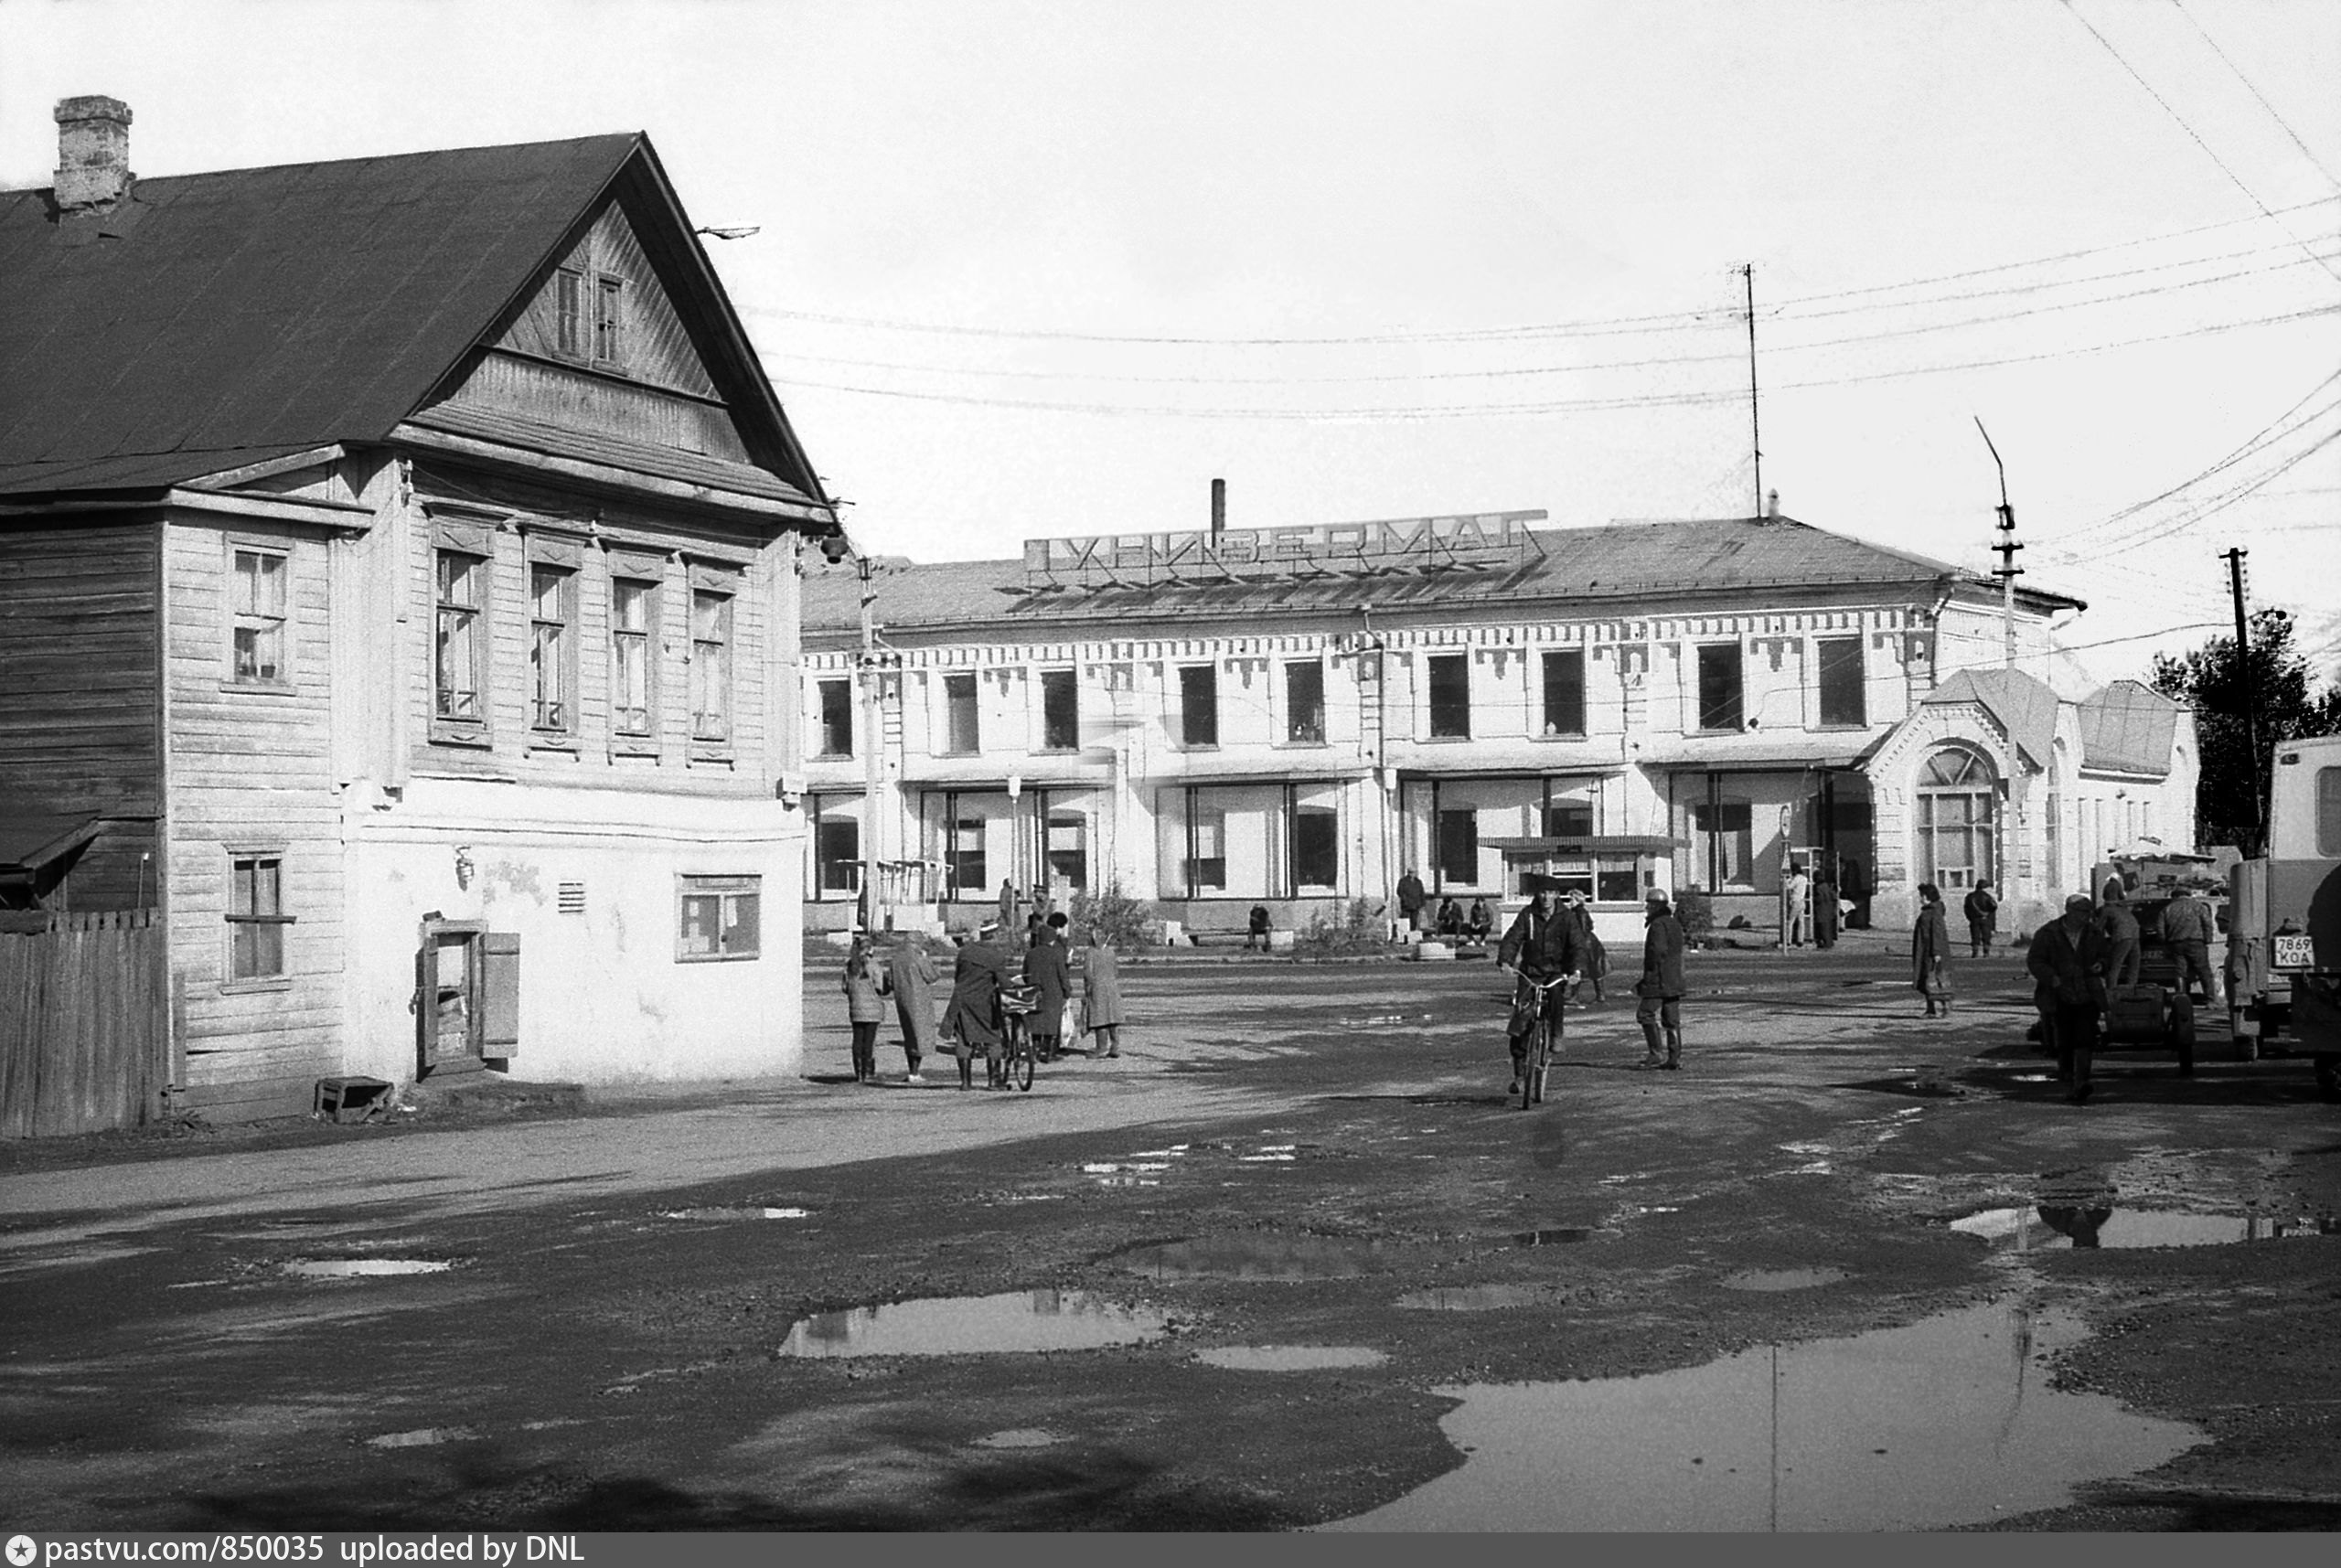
(426, 997)
(499, 993)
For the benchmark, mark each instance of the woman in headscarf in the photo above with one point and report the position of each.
(1929, 951)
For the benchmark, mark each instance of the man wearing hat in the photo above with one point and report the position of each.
(2067, 961)
(1660, 986)
(1541, 946)
(973, 1017)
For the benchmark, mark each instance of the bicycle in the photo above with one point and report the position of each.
(1544, 1038)
(1017, 1003)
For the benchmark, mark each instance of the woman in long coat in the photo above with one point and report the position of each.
(1929, 950)
(1047, 971)
(973, 1017)
(1101, 992)
(915, 975)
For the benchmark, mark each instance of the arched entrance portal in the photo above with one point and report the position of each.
(1957, 797)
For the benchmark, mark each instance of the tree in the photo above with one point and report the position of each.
(2211, 681)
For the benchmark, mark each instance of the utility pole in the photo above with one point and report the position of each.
(871, 733)
(1755, 428)
(2007, 571)
(2250, 697)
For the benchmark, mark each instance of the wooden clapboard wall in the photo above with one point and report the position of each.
(82, 1039)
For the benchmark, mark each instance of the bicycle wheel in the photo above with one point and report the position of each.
(1022, 1067)
(1531, 1069)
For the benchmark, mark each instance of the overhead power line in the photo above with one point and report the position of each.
(2286, 125)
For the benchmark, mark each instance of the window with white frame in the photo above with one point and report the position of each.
(459, 660)
(256, 636)
(632, 633)
(553, 677)
(1957, 799)
(711, 664)
(717, 918)
(256, 917)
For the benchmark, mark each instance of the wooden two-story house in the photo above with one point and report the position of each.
(398, 574)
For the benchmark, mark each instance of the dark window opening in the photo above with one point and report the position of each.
(1720, 705)
(1069, 848)
(969, 877)
(1458, 847)
(1565, 692)
(1060, 712)
(836, 719)
(1316, 847)
(609, 304)
(1199, 704)
(1304, 703)
(1841, 681)
(1568, 819)
(836, 853)
(960, 734)
(1450, 696)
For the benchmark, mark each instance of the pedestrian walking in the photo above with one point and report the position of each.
(2122, 944)
(865, 1009)
(1048, 971)
(1411, 899)
(2067, 962)
(1101, 995)
(2188, 928)
(1982, 908)
(913, 974)
(1931, 952)
(973, 1017)
(1661, 988)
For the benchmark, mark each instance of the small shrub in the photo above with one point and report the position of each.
(1697, 910)
(1124, 920)
(1361, 927)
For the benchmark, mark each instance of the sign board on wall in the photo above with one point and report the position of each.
(1481, 540)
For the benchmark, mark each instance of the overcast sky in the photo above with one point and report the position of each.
(1029, 269)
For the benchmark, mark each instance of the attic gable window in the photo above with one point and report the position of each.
(569, 313)
(609, 299)
(589, 316)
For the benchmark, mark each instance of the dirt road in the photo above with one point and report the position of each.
(1293, 1260)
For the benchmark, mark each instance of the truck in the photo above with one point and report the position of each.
(2283, 964)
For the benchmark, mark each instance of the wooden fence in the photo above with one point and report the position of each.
(83, 1037)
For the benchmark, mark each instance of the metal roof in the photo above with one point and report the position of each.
(211, 319)
(2128, 728)
(2023, 706)
(1618, 562)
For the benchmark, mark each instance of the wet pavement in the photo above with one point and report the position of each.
(1293, 1260)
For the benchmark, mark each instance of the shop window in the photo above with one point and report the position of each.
(256, 631)
(960, 733)
(1721, 705)
(970, 875)
(1060, 712)
(837, 854)
(1304, 703)
(1069, 847)
(720, 919)
(1618, 880)
(1199, 704)
(837, 717)
(1723, 837)
(1450, 696)
(1207, 851)
(1316, 847)
(1565, 692)
(1841, 696)
(632, 636)
(1568, 819)
(1458, 847)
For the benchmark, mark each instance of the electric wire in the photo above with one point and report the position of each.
(2221, 502)
(2248, 86)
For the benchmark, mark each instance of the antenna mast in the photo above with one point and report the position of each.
(1754, 430)
(2007, 571)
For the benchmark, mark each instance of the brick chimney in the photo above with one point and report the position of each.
(93, 152)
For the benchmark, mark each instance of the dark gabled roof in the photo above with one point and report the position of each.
(1613, 561)
(212, 319)
(2128, 728)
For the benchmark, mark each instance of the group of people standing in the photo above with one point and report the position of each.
(2088, 951)
(985, 971)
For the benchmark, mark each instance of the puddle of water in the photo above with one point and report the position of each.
(1782, 1278)
(975, 1325)
(1947, 1422)
(2052, 1227)
(1560, 1236)
(1266, 1255)
(1477, 1298)
(1019, 1437)
(1263, 1160)
(422, 1437)
(725, 1215)
(1290, 1358)
(363, 1268)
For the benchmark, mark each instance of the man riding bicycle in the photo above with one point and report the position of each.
(1541, 947)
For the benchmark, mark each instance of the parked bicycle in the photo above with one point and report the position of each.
(1017, 1003)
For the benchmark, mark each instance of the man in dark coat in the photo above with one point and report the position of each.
(1411, 897)
(1048, 970)
(1660, 986)
(2066, 960)
(973, 1017)
(1541, 946)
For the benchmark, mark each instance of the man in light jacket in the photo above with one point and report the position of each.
(2188, 928)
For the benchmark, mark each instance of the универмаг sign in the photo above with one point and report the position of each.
(1405, 544)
